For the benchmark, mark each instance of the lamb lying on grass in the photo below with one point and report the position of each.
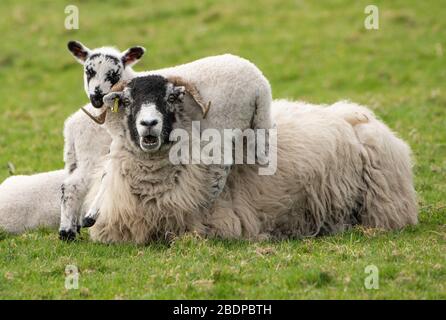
(330, 176)
(29, 202)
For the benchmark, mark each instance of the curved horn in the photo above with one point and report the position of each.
(98, 119)
(120, 86)
(193, 91)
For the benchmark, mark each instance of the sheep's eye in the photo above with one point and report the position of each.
(126, 102)
(112, 76)
(172, 98)
(90, 73)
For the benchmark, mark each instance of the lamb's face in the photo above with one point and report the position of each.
(103, 68)
(150, 104)
(101, 73)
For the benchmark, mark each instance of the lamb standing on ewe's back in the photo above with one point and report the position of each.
(328, 177)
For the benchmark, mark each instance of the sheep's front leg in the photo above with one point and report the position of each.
(93, 213)
(74, 189)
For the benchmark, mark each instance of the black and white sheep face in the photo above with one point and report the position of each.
(101, 73)
(150, 105)
(103, 68)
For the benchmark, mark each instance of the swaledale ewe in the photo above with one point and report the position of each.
(329, 176)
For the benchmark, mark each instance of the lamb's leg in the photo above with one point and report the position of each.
(93, 213)
(74, 189)
(262, 117)
(262, 120)
(218, 176)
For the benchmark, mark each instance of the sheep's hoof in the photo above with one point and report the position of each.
(88, 222)
(67, 235)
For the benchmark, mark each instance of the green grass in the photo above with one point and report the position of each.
(317, 51)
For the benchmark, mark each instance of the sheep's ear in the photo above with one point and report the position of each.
(79, 51)
(192, 92)
(191, 108)
(109, 99)
(132, 55)
(176, 94)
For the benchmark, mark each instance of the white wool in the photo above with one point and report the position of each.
(28, 202)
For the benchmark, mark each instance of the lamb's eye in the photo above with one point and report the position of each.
(112, 77)
(90, 72)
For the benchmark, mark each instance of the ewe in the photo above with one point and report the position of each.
(329, 176)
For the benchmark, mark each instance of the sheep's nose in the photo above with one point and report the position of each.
(96, 100)
(149, 123)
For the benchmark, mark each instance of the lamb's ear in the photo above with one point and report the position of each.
(132, 55)
(109, 99)
(79, 51)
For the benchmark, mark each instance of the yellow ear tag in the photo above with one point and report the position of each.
(116, 106)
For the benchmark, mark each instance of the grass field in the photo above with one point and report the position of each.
(318, 51)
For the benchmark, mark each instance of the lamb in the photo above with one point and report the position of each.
(29, 202)
(239, 94)
(86, 143)
(330, 177)
(103, 67)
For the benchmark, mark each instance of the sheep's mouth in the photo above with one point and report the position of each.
(150, 142)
